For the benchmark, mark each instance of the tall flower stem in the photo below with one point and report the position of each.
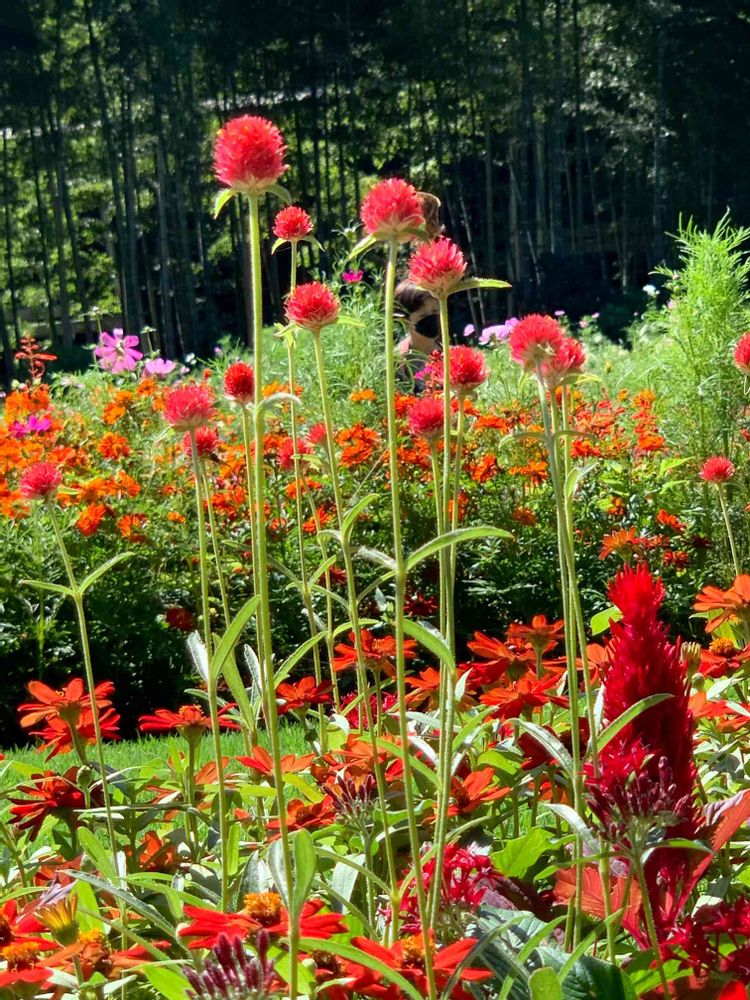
(728, 525)
(447, 615)
(90, 682)
(265, 650)
(307, 600)
(648, 914)
(213, 696)
(570, 634)
(400, 594)
(351, 590)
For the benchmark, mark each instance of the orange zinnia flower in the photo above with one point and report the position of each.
(733, 604)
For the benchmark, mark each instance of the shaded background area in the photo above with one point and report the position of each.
(563, 136)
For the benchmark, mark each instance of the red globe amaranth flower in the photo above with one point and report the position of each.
(425, 418)
(390, 209)
(467, 369)
(742, 354)
(206, 442)
(292, 224)
(249, 154)
(40, 481)
(437, 267)
(717, 469)
(312, 306)
(568, 359)
(188, 407)
(535, 338)
(239, 382)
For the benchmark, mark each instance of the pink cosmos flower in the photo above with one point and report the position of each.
(158, 367)
(118, 352)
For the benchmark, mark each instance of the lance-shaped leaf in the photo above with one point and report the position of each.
(453, 538)
(222, 199)
(469, 284)
(230, 639)
(366, 243)
(627, 716)
(55, 588)
(99, 572)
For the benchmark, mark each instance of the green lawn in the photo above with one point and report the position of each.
(133, 753)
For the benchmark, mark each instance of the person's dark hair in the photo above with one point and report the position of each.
(411, 297)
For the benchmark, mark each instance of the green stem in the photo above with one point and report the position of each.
(304, 585)
(211, 687)
(728, 524)
(400, 593)
(261, 563)
(351, 590)
(90, 682)
(648, 914)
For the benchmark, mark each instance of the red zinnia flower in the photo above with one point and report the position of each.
(67, 717)
(239, 382)
(528, 693)
(425, 417)
(249, 154)
(378, 654)
(390, 209)
(261, 910)
(188, 407)
(262, 762)
(302, 695)
(468, 794)
(312, 306)
(742, 353)
(50, 794)
(40, 481)
(437, 267)
(734, 603)
(292, 223)
(717, 469)
(535, 338)
(407, 956)
(189, 721)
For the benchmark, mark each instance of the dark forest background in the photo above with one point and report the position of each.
(564, 137)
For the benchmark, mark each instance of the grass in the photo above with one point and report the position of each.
(20, 763)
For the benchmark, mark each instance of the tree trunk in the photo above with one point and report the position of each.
(42, 225)
(12, 288)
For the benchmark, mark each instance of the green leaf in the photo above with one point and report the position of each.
(230, 639)
(280, 192)
(522, 853)
(277, 243)
(303, 850)
(470, 283)
(99, 572)
(575, 476)
(432, 640)
(453, 538)
(350, 518)
(627, 716)
(150, 913)
(364, 244)
(97, 853)
(576, 824)
(551, 744)
(283, 672)
(592, 979)
(222, 199)
(238, 692)
(166, 981)
(544, 985)
(55, 588)
(603, 619)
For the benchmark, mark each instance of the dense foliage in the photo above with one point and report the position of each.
(564, 139)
